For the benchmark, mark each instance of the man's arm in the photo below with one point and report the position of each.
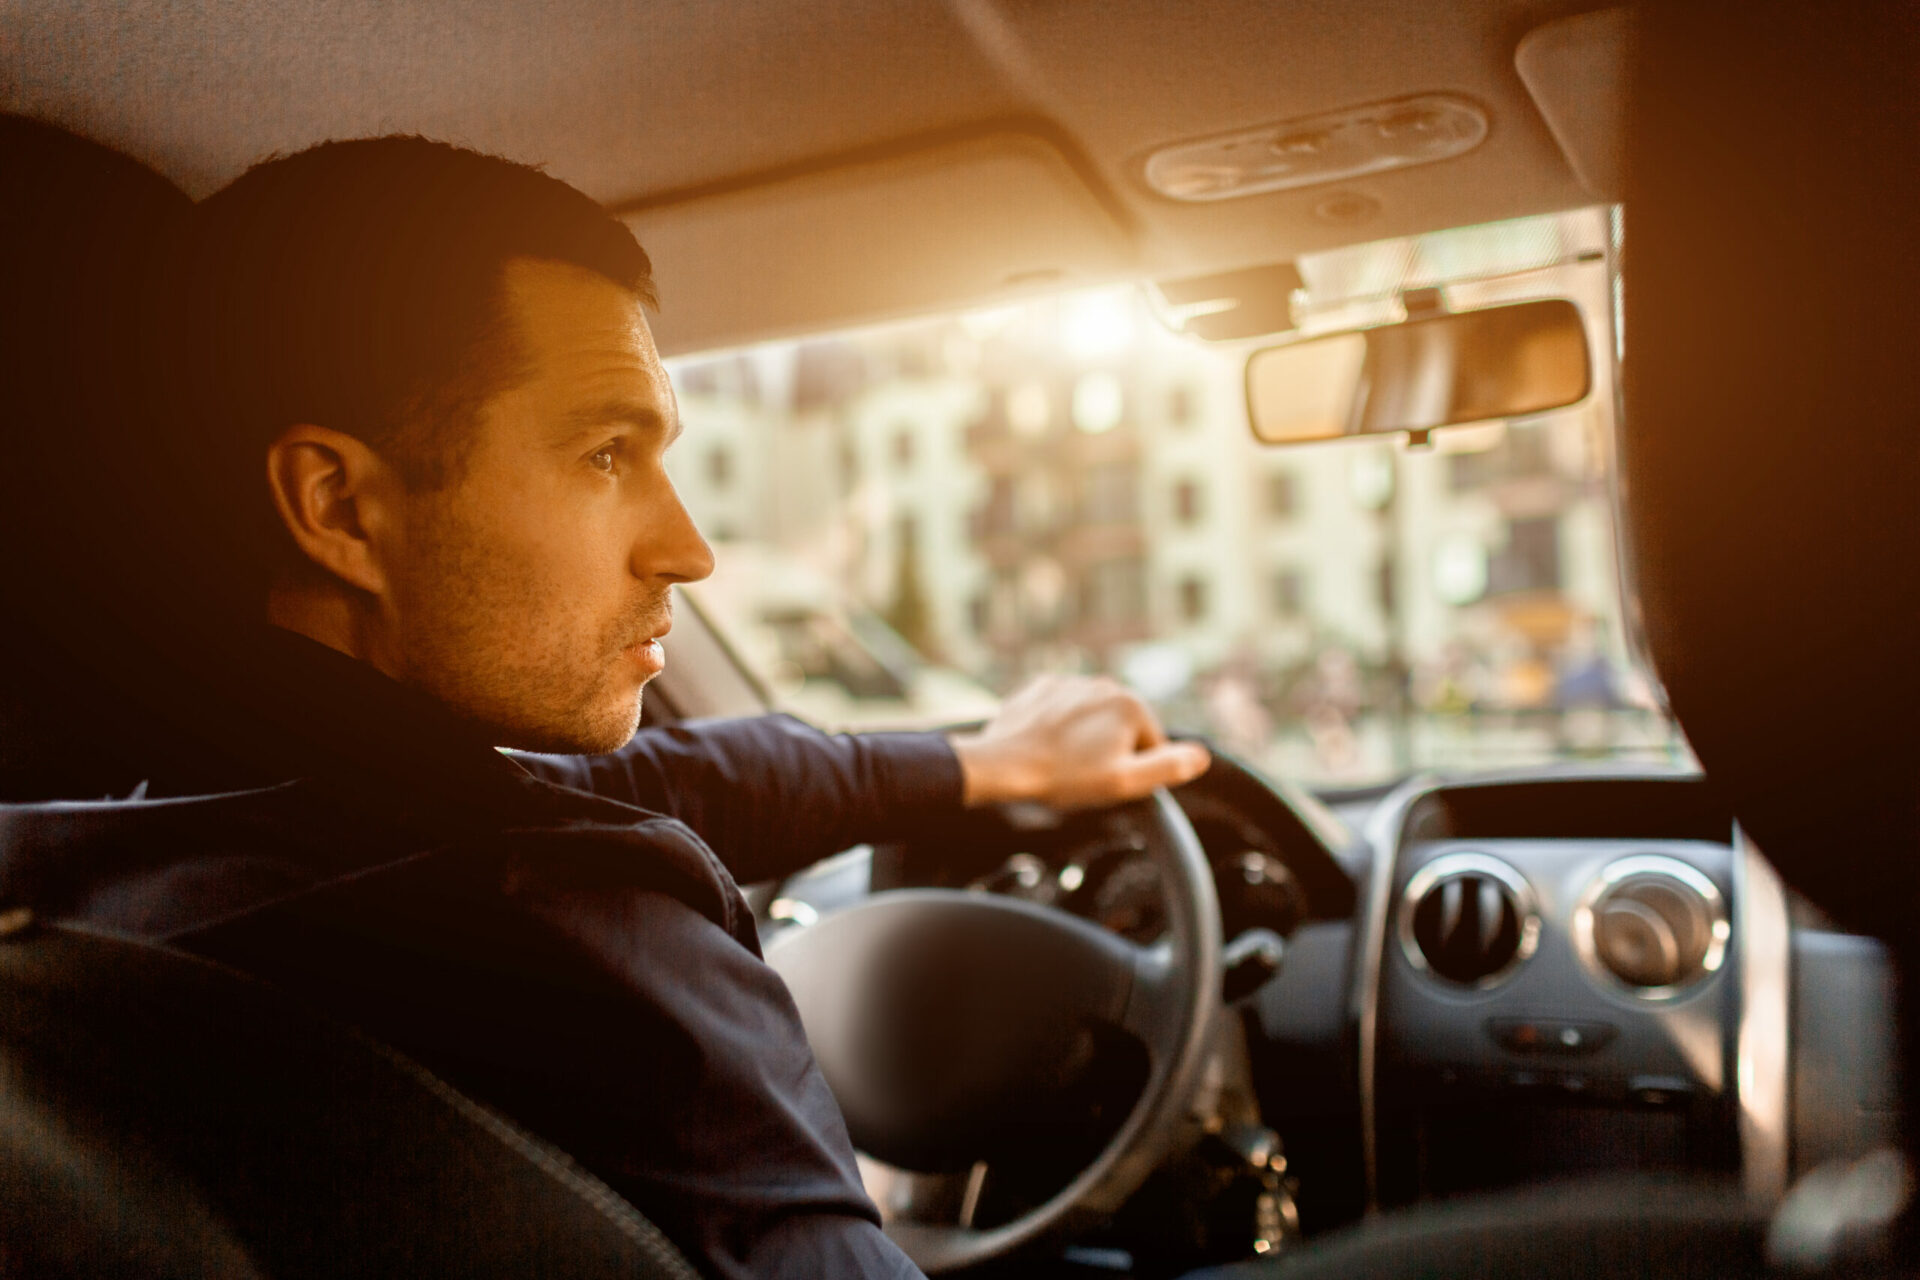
(771, 794)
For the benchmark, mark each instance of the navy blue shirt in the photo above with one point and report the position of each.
(561, 938)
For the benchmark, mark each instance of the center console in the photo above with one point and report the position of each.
(1559, 976)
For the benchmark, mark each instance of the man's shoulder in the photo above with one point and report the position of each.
(150, 867)
(591, 844)
(158, 868)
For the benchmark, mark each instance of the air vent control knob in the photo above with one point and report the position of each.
(1652, 931)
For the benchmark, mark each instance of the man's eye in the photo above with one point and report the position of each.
(604, 459)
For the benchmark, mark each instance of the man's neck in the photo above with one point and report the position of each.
(346, 623)
(333, 618)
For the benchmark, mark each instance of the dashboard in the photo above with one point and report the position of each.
(1487, 980)
(1558, 982)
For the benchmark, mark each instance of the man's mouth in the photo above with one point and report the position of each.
(650, 655)
(647, 651)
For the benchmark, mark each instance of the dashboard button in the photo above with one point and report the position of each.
(1549, 1035)
(1659, 1091)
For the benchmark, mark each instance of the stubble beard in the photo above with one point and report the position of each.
(474, 641)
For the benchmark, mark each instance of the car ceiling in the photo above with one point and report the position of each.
(694, 114)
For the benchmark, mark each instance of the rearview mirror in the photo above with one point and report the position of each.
(1500, 362)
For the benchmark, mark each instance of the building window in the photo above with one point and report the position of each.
(720, 467)
(996, 515)
(826, 374)
(1466, 471)
(980, 613)
(903, 448)
(698, 379)
(1193, 599)
(1529, 450)
(1283, 495)
(1524, 452)
(747, 379)
(1113, 591)
(1531, 559)
(1289, 592)
(1187, 501)
(1108, 494)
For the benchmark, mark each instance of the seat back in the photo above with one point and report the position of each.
(162, 1116)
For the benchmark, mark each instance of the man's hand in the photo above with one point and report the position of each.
(1073, 742)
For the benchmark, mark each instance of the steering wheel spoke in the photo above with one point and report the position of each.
(1159, 1001)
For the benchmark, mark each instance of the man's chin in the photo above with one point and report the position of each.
(612, 733)
(592, 733)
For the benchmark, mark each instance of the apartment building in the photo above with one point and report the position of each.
(1046, 488)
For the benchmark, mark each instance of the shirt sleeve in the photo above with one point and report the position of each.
(771, 794)
(588, 983)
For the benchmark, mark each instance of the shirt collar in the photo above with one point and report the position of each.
(305, 709)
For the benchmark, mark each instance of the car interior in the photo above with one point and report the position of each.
(1632, 1015)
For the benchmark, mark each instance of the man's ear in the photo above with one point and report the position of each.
(338, 499)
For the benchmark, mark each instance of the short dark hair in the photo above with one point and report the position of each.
(357, 285)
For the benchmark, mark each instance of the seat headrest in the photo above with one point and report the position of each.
(1770, 451)
(83, 234)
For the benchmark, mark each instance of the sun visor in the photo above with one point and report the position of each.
(1576, 70)
(964, 222)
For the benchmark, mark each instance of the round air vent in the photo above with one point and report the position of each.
(1651, 924)
(1469, 919)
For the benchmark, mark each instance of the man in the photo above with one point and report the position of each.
(428, 408)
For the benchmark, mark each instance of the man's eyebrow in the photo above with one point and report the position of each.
(619, 409)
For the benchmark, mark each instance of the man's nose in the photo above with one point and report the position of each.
(672, 547)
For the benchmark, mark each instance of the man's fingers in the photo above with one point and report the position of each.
(1056, 741)
(1168, 765)
(1139, 716)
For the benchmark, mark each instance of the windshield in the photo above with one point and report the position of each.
(910, 520)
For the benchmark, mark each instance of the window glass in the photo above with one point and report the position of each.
(924, 515)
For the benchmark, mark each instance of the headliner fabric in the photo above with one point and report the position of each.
(653, 102)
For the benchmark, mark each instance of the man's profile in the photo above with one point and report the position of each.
(423, 406)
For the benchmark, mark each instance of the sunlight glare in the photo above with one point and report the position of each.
(1098, 324)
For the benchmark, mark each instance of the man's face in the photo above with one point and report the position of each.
(527, 593)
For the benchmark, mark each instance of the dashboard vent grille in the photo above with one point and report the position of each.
(1468, 919)
(1652, 924)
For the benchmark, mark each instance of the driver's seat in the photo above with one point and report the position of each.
(161, 1116)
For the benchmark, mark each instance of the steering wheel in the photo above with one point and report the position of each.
(940, 1018)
